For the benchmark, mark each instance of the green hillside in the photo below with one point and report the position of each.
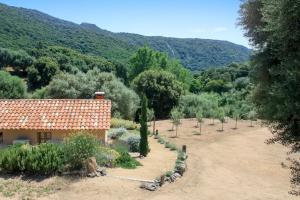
(23, 28)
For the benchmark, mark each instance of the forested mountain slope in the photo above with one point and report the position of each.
(23, 28)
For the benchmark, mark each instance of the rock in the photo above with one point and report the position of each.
(149, 186)
(157, 183)
(91, 165)
(173, 178)
(103, 172)
(92, 175)
(162, 180)
(177, 175)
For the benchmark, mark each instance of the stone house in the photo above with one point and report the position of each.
(41, 120)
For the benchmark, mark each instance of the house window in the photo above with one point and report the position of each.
(1, 138)
(43, 137)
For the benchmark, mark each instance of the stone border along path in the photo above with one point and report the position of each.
(179, 168)
(130, 179)
(177, 172)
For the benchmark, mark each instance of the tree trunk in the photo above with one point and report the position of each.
(251, 123)
(176, 130)
(222, 125)
(153, 132)
(200, 128)
(236, 123)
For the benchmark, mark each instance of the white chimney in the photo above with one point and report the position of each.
(99, 95)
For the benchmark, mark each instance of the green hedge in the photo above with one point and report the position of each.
(42, 159)
(121, 123)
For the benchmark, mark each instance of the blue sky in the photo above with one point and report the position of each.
(212, 19)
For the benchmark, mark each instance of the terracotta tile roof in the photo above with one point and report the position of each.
(55, 114)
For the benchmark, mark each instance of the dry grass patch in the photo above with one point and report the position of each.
(24, 188)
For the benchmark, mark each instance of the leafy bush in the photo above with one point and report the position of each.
(43, 159)
(116, 133)
(125, 160)
(132, 141)
(167, 144)
(181, 155)
(106, 156)
(173, 147)
(161, 140)
(118, 123)
(190, 104)
(50, 158)
(125, 101)
(168, 173)
(41, 72)
(11, 87)
(179, 166)
(78, 148)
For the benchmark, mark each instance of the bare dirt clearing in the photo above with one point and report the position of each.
(233, 164)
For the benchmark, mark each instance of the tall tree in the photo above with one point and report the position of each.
(41, 73)
(273, 26)
(161, 89)
(144, 148)
(141, 61)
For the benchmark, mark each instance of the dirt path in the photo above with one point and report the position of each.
(159, 161)
(234, 164)
(228, 165)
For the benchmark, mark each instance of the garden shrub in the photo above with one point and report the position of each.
(125, 160)
(48, 158)
(181, 155)
(106, 156)
(168, 145)
(78, 148)
(180, 166)
(132, 141)
(173, 147)
(116, 133)
(161, 140)
(168, 173)
(42, 159)
(118, 123)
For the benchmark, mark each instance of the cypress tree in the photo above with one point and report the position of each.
(144, 128)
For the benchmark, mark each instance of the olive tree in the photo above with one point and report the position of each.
(125, 101)
(199, 117)
(252, 117)
(236, 115)
(221, 117)
(176, 116)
